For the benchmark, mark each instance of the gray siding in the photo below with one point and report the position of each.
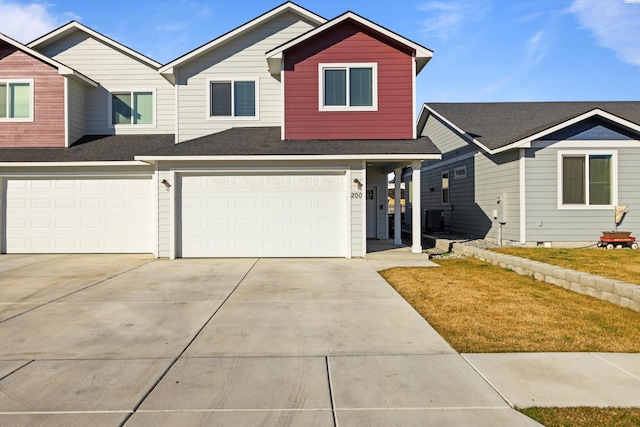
(114, 70)
(240, 58)
(472, 199)
(545, 222)
(76, 109)
(448, 141)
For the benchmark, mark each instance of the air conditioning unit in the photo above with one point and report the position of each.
(434, 220)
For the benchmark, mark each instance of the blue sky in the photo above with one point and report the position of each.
(484, 50)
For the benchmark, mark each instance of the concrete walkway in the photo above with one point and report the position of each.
(111, 340)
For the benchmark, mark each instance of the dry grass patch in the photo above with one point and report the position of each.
(578, 417)
(623, 264)
(481, 308)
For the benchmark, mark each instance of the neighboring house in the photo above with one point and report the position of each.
(533, 173)
(263, 142)
(33, 104)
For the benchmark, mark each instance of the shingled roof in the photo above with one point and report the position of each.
(257, 141)
(91, 148)
(266, 141)
(497, 125)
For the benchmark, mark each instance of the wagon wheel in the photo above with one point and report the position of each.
(610, 246)
(634, 245)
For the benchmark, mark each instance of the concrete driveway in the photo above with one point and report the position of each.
(111, 340)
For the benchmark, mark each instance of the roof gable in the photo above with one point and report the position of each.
(498, 127)
(74, 26)
(168, 69)
(275, 56)
(62, 69)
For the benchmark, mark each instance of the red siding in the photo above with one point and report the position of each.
(47, 128)
(348, 43)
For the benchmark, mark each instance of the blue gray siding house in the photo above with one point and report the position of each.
(533, 173)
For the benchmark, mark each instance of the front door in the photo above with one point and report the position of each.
(372, 212)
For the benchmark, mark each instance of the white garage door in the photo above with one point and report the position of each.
(65, 215)
(274, 215)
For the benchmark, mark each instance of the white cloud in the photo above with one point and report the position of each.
(537, 47)
(447, 18)
(28, 21)
(615, 25)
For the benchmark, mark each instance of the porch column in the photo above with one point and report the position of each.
(416, 210)
(397, 207)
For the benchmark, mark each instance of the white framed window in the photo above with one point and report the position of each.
(132, 108)
(460, 172)
(587, 180)
(348, 87)
(232, 99)
(16, 100)
(444, 179)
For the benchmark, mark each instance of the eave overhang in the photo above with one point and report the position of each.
(421, 54)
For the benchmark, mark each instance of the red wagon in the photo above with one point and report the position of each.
(612, 239)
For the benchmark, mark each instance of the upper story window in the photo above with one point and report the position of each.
(16, 100)
(233, 99)
(587, 179)
(345, 87)
(132, 108)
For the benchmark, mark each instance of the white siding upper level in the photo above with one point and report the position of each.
(240, 58)
(116, 71)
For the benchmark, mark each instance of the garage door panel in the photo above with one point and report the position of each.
(263, 215)
(67, 215)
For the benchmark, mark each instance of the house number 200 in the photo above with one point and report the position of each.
(356, 195)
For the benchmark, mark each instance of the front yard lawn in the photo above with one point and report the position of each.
(481, 308)
(620, 264)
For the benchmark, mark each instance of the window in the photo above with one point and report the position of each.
(445, 187)
(132, 108)
(460, 172)
(16, 100)
(233, 98)
(587, 179)
(348, 87)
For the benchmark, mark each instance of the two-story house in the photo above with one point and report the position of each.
(274, 139)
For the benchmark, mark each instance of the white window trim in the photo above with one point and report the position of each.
(614, 179)
(231, 80)
(31, 117)
(460, 172)
(346, 66)
(448, 202)
(131, 125)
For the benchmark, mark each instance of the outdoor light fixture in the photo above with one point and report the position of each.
(358, 183)
(166, 184)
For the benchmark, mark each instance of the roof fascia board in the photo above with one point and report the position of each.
(421, 52)
(74, 164)
(170, 66)
(408, 157)
(75, 25)
(63, 70)
(457, 129)
(526, 142)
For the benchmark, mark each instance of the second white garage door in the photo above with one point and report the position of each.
(73, 215)
(258, 215)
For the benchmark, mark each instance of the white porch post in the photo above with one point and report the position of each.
(416, 228)
(397, 207)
